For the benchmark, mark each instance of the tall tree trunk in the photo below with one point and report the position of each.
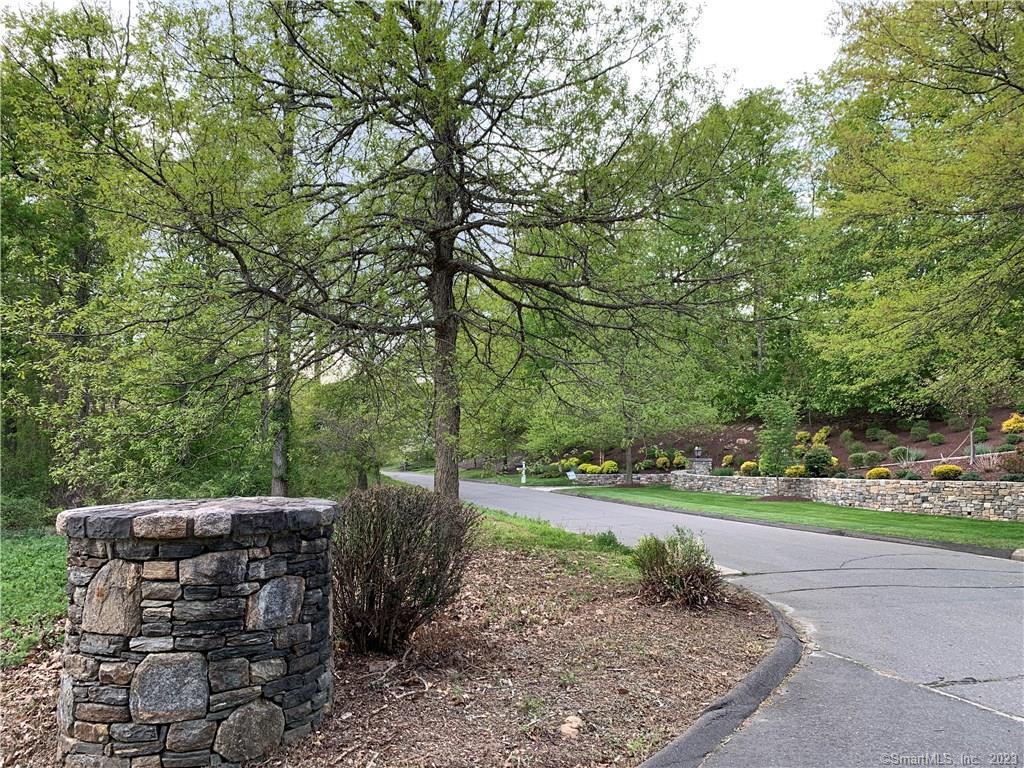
(362, 481)
(447, 413)
(629, 462)
(281, 407)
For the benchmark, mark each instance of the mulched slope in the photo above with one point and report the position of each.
(530, 642)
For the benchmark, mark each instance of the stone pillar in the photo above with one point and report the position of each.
(198, 632)
(700, 466)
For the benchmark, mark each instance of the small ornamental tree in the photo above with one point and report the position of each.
(778, 430)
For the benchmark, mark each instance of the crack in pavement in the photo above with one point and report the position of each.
(940, 683)
(876, 586)
(879, 568)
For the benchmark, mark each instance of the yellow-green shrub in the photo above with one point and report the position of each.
(727, 460)
(662, 462)
(1013, 424)
(795, 470)
(609, 467)
(679, 461)
(748, 467)
(589, 469)
(803, 437)
(821, 436)
(879, 473)
(947, 472)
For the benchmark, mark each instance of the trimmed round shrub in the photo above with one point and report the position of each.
(1013, 438)
(1012, 477)
(890, 440)
(1013, 425)
(983, 421)
(905, 425)
(749, 468)
(818, 461)
(571, 463)
(795, 470)
(970, 476)
(857, 447)
(727, 460)
(956, 423)
(1004, 448)
(609, 467)
(857, 459)
(899, 453)
(723, 471)
(841, 474)
(936, 438)
(846, 438)
(919, 431)
(909, 475)
(947, 472)
(587, 457)
(663, 463)
(871, 458)
(980, 434)
(679, 461)
(879, 473)
(589, 469)
(873, 432)
(398, 557)
(803, 437)
(679, 569)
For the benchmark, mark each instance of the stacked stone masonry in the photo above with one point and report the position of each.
(198, 632)
(951, 498)
(660, 478)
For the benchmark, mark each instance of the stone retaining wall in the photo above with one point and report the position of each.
(198, 632)
(952, 498)
(618, 479)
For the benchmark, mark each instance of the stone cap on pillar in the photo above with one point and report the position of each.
(198, 518)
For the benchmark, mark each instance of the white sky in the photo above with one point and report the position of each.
(757, 43)
(761, 43)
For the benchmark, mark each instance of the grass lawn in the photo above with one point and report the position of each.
(985, 533)
(33, 576)
(600, 554)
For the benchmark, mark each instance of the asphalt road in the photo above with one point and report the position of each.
(915, 653)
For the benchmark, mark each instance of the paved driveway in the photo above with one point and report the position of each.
(916, 653)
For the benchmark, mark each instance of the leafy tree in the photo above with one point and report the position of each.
(775, 438)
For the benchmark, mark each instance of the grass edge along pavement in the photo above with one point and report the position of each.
(996, 537)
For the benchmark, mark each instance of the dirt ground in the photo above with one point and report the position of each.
(537, 664)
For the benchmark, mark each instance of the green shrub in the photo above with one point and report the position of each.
(873, 432)
(857, 459)
(983, 421)
(890, 440)
(679, 569)
(1012, 477)
(803, 437)
(609, 467)
(919, 430)
(589, 469)
(857, 447)
(970, 476)
(841, 474)
(749, 468)
(1004, 448)
(399, 555)
(652, 452)
(1012, 462)
(871, 458)
(795, 470)
(679, 461)
(899, 453)
(1013, 438)
(648, 464)
(21, 512)
(586, 457)
(609, 541)
(980, 434)
(906, 474)
(905, 425)
(818, 461)
(947, 472)
(779, 415)
(936, 438)
(956, 423)
(821, 436)
(846, 438)
(663, 463)
(554, 469)
(723, 471)
(798, 451)
(879, 473)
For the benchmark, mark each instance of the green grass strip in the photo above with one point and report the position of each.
(994, 534)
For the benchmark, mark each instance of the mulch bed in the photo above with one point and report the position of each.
(538, 663)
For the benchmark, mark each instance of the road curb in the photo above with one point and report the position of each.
(727, 713)
(952, 546)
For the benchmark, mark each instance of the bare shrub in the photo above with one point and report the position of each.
(399, 554)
